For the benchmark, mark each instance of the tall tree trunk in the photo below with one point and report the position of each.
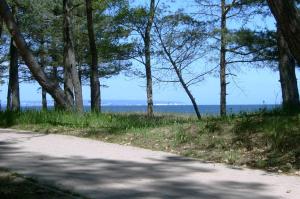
(72, 85)
(223, 82)
(94, 77)
(13, 97)
(288, 18)
(147, 41)
(8, 98)
(43, 65)
(54, 77)
(44, 100)
(53, 89)
(1, 26)
(68, 83)
(288, 79)
(80, 71)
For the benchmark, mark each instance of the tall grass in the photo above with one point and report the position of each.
(88, 120)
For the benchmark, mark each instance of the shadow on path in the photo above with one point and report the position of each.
(112, 179)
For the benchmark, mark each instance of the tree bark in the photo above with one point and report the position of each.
(94, 73)
(53, 89)
(54, 77)
(43, 65)
(223, 82)
(147, 42)
(1, 26)
(288, 19)
(44, 100)
(13, 91)
(72, 85)
(13, 94)
(288, 79)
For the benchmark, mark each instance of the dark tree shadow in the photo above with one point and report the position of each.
(110, 179)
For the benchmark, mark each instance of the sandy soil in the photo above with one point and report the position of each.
(103, 170)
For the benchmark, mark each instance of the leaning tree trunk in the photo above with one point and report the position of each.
(187, 90)
(72, 83)
(13, 91)
(94, 77)
(288, 18)
(223, 83)
(181, 80)
(288, 79)
(52, 88)
(147, 41)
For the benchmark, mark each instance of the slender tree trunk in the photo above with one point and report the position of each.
(223, 82)
(187, 90)
(80, 74)
(77, 90)
(288, 79)
(68, 85)
(72, 85)
(288, 18)
(43, 65)
(53, 89)
(1, 30)
(94, 77)
(13, 97)
(147, 41)
(68, 56)
(8, 98)
(44, 100)
(54, 77)
(14, 79)
(1, 26)
(181, 80)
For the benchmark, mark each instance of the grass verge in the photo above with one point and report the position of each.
(265, 140)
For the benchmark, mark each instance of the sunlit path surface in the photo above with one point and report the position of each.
(101, 170)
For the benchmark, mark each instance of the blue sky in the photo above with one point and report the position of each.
(256, 86)
(251, 86)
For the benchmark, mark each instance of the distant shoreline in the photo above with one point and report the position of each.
(171, 109)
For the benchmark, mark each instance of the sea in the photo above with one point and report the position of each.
(188, 109)
(167, 108)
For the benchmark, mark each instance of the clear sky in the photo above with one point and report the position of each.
(251, 86)
(256, 86)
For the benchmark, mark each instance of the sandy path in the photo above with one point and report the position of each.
(101, 170)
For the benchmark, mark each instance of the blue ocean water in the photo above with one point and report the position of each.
(175, 109)
(187, 109)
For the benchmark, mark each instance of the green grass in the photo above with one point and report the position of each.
(267, 140)
(112, 123)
